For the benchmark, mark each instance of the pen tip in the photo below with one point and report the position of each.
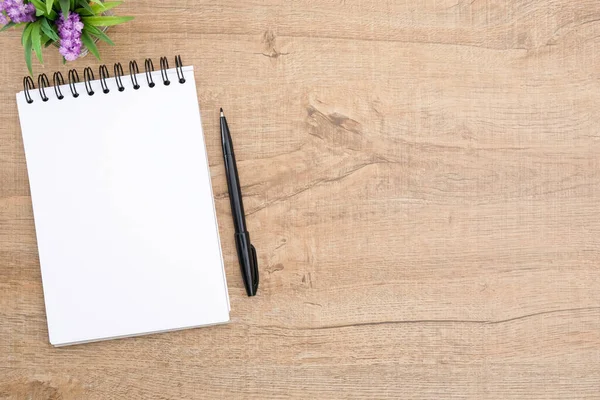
(222, 115)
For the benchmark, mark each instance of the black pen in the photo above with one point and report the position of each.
(246, 252)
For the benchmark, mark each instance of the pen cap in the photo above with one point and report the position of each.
(254, 268)
(248, 262)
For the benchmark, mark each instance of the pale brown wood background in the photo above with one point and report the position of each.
(422, 185)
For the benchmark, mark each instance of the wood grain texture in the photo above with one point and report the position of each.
(423, 188)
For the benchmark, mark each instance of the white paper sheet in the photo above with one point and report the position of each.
(123, 207)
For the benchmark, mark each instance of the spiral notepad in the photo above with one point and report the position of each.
(122, 200)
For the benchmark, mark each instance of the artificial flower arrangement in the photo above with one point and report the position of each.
(71, 25)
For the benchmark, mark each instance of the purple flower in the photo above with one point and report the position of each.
(3, 17)
(69, 31)
(17, 11)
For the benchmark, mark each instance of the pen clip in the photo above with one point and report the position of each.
(254, 268)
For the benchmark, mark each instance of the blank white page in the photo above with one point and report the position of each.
(123, 208)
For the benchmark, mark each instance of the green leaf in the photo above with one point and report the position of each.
(49, 4)
(44, 7)
(98, 2)
(83, 12)
(26, 33)
(27, 47)
(72, 4)
(64, 7)
(44, 39)
(39, 6)
(106, 20)
(102, 7)
(92, 30)
(89, 43)
(7, 26)
(64, 61)
(85, 5)
(48, 30)
(36, 41)
(96, 9)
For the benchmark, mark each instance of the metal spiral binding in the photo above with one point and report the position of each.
(57, 81)
(118, 74)
(88, 79)
(73, 79)
(27, 86)
(179, 69)
(42, 85)
(133, 71)
(149, 69)
(103, 76)
(164, 66)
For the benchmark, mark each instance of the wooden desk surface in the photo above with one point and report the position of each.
(422, 185)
